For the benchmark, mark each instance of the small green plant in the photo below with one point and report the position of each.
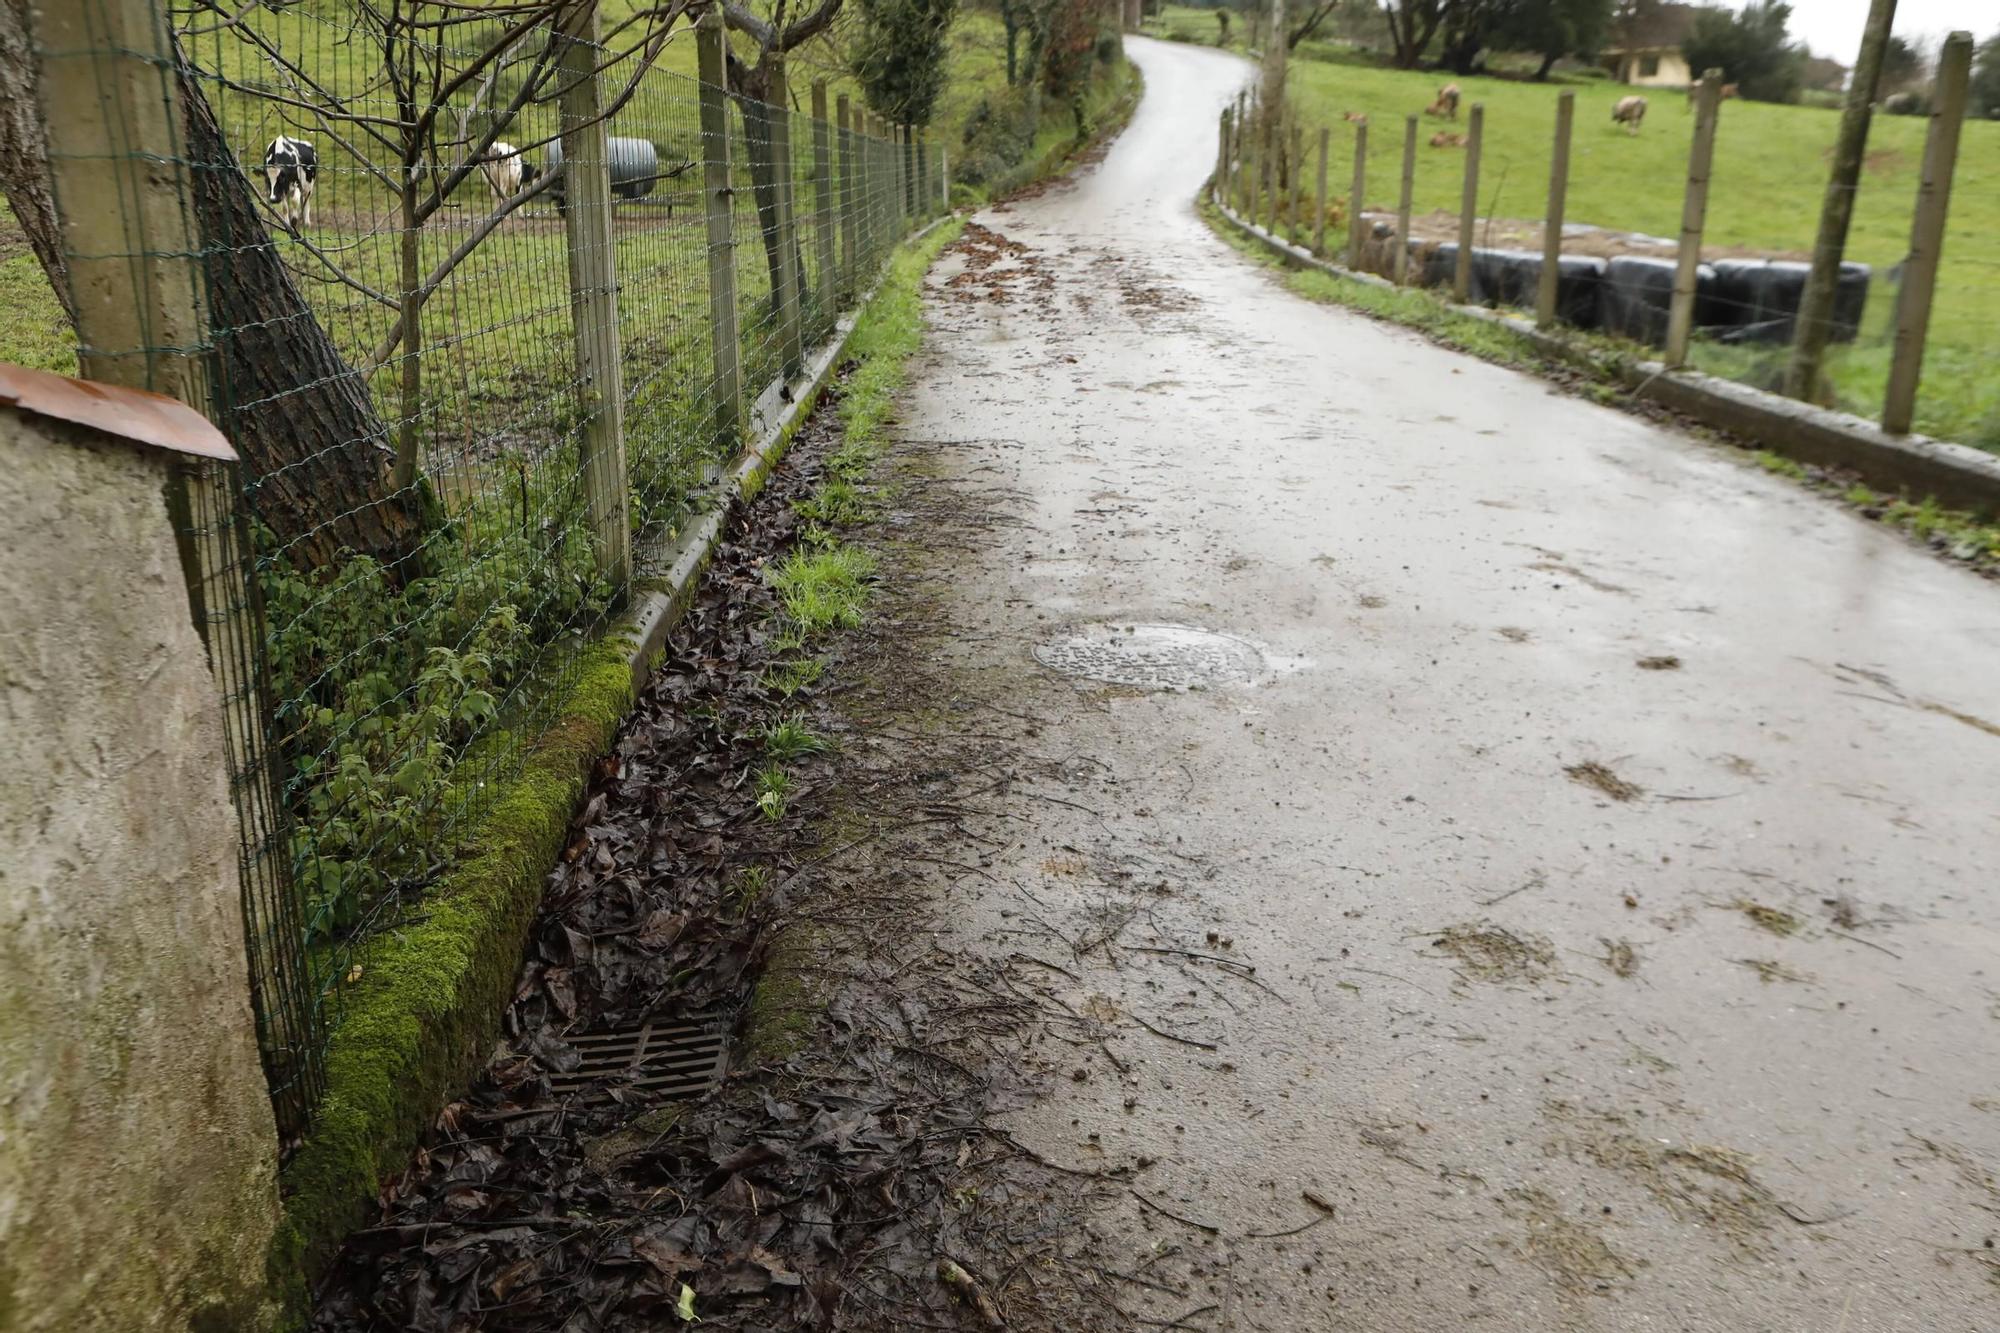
(774, 785)
(790, 677)
(824, 589)
(750, 884)
(837, 504)
(791, 738)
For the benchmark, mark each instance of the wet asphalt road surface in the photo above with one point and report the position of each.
(1613, 829)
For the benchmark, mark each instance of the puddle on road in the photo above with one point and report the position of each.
(1161, 657)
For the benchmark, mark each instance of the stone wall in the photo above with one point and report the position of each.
(137, 1152)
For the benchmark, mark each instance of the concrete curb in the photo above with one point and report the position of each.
(1956, 475)
(653, 613)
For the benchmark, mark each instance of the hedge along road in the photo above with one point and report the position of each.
(1611, 827)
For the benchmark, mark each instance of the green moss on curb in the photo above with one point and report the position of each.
(429, 996)
(426, 1004)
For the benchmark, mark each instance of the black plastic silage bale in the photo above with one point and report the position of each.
(634, 164)
(1731, 301)
(1506, 277)
(1850, 301)
(1638, 292)
(1440, 266)
(1580, 291)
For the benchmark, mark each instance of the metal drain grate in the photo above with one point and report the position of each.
(1161, 657)
(677, 1060)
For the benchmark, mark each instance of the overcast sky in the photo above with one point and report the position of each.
(1833, 27)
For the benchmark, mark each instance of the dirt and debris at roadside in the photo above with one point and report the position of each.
(847, 1174)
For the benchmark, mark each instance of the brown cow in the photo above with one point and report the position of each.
(1447, 139)
(1446, 105)
(1629, 112)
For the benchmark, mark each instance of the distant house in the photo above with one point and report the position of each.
(1645, 49)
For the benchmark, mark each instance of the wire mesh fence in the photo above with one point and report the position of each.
(1457, 197)
(458, 275)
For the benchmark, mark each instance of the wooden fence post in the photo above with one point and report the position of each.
(823, 220)
(1319, 195)
(1245, 165)
(719, 203)
(789, 295)
(1215, 184)
(1468, 208)
(1257, 200)
(1241, 198)
(1403, 202)
(1356, 194)
(593, 300)
(1913, 302)
(1552, 225)
(1843, 182)
(1297, 157)
(844, 115)
(1694, 217)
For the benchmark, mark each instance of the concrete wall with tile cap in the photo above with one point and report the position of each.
(137, 1155)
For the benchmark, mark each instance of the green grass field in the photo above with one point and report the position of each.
(1770, 175)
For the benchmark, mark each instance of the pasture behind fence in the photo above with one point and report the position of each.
(1447, 198)
(546, 279)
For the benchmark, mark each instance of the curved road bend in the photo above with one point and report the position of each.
(1781, 1119)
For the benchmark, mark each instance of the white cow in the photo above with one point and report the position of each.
(506, 170)
(291, 166)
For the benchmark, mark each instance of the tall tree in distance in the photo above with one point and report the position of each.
(1412, 24)
(1553, 29)
(1986, 79)
(900, 54)
(1753, 49)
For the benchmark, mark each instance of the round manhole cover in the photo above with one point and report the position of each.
(1161, 657)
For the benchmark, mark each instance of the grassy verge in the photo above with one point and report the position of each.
(825, 583)
(1596, 374)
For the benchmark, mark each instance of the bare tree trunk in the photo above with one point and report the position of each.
(24, 150)
(317, 455)
(313, 448)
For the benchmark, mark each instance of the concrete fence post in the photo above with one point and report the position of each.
(1468, 207)
(844, 118)
(719, 204)
(824, 231)
(593, 300)
(1552, 225)
(1357, 196)
(1319, 191)
(789, 296)
(1920, 271)
(1694, 217)
(1404, 200)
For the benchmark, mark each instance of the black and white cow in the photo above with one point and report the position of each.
(506, 170)
(290, 168)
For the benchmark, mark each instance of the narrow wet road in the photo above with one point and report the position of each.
(1578, 867)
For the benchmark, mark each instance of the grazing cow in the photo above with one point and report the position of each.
(1730, 92)
(290, 168)
(1447, 139)
(506, 171)
(1629, 112)
(1446, 104)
